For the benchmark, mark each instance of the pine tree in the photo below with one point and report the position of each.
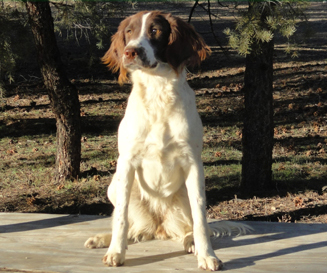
(254, 37)
(63, 95)
(79, 19)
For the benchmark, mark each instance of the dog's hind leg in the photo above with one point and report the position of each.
(104, 239)
(142, 223)
(188, 242)
(177, 222)
(98, 241)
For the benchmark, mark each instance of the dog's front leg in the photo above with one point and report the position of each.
(123, 180)
(196, 192)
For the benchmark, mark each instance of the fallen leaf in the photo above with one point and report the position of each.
(298, 201)
(281, 167)
(96, 177)
(217, 154)
(11, 151)
(113, 163)
(239, 133)
(16, 98)
(31, 200)
(60, 187)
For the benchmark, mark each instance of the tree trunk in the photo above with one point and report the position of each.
(258, 132)
(63, 95)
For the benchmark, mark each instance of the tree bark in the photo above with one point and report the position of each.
(62, 93)
(258, 132)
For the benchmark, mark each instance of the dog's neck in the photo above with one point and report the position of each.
(158, 92)
(163, 84)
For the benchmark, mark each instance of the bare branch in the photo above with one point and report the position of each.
(192, 10)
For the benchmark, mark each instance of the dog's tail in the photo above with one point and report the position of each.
(223, 228)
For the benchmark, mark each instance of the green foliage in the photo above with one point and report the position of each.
(79, 23)
(262, 20)
(12, 40)
(7, 60)
(83, 20)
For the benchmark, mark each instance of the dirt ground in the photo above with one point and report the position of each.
(300, 160)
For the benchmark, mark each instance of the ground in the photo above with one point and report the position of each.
(28, 144)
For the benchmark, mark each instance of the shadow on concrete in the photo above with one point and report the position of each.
(263, 233)
(248, 261)
(274, 232)
(153, 259)
(47, 223)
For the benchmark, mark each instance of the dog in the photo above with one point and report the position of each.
(158, 190)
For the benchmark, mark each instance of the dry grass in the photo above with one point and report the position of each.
(28, 145)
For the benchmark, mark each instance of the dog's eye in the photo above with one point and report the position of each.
(154, 31)
(128, 31)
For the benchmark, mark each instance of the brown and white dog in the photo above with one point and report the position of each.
(158, 189)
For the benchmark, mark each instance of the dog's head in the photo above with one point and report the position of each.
(147, 39)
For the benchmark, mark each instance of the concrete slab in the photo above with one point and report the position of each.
(54, 243)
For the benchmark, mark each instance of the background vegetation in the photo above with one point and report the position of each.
(27, 125)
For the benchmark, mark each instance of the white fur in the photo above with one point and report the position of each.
(158, 189)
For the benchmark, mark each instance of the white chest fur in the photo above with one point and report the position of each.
(156, 133)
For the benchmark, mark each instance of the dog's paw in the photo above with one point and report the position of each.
(210, 263)
(98, 241)
(189, 243)
(113, 259)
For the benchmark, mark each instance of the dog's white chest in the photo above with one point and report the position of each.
(160, 165)
(157, 133)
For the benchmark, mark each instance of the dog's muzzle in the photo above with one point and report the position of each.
(135, 57)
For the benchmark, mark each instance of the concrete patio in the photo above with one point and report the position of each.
(54, 243)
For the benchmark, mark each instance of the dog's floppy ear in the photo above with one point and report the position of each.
(186, 46)
(113, 57)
